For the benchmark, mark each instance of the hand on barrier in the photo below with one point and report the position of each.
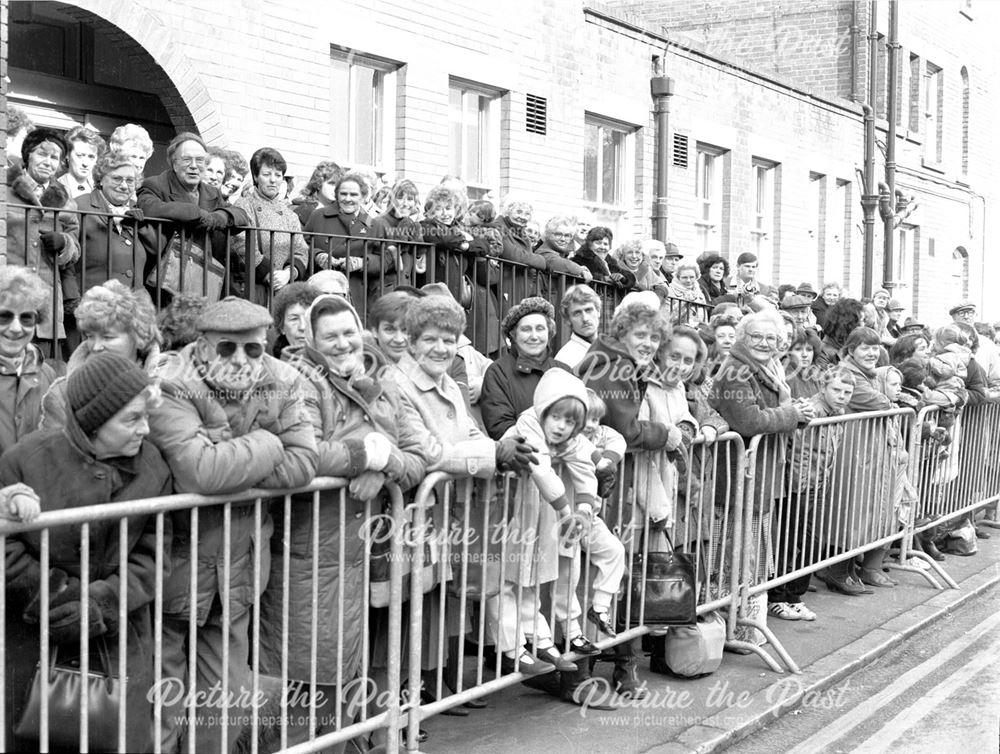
(587, 275)
(213, 220)
(281, 278)
(805, 410)
(366, 485)
(709, 435)
(571, 529)
(135, 213)
(377, 450)
(607, 478)
(515, 454)
(52, 242)
(674, 437)
(58, 581)
(19, 502)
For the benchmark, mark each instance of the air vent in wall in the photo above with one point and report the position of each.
(680, 150)
(535, 120)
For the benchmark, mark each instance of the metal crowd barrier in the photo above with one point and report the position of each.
(260, 711)
(471, 534)
(487, 286)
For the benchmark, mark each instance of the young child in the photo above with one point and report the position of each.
(549, 510)
(812, 454)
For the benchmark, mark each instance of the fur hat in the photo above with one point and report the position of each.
(530, 305)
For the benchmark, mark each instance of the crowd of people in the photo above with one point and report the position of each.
(384, 384)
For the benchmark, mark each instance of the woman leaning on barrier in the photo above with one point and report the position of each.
(101, 456)
(111, 318)
(750, 392)
(24, 375)
(364, 434)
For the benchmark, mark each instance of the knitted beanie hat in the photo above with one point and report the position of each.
(101, 386)
(530, 305)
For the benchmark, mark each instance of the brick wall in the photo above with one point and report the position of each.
(3, 123)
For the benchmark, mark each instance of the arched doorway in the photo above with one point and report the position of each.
(70, 65)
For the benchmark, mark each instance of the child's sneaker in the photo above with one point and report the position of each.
(804, 612)
(783, 610)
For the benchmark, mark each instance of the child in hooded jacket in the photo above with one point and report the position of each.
(550, 508)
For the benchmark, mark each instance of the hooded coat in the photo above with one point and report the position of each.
(60, 465)
(340, 413)
(563, 478)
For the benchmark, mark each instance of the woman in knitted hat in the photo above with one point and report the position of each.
(101, 456)
(510, 382)
(111, 318)
(365, 434)
(24, 375)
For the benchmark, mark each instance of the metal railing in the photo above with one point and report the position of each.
(168, 258)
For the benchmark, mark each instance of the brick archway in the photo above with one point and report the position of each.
(183, 94)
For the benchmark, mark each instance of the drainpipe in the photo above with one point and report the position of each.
(662, 89)
(888, 259)
(854, 52)
(869, 200)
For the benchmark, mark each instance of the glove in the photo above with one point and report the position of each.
(213, 220)
(377, 450)
(52, 242)
(674, 437)
(607, 478)
(515, 454)
(64, 622)
(19, 502)
(617, 278)
(135, 213)
(366, 485)
(58, 581)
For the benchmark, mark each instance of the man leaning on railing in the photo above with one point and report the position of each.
(232, 417)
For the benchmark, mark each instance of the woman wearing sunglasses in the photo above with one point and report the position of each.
(24, 376)
(111, 318)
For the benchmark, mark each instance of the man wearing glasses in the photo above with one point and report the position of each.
(199, 220)
(558, 245)
(232, 417)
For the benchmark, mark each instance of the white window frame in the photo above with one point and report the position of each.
(384, 115)
(933, 112)
(907, 249)
(489, 129)
(709, 177)
(762, 189)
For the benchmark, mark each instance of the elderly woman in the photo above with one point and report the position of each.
(277, 252)
(101, 456)
(134, 142)
(557, 247)
(515, 213)
(111, 318)
(109, 248)
(342, 244)
(510, 382)
(44, 240)
(320, 191)
(684, 288)
(862, 506)
(751, 394)
(24, 377)
(363, 433)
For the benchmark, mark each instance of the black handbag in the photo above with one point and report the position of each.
(65, 696)
(663, 589)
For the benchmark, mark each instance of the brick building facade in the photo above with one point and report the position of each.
(551, 100)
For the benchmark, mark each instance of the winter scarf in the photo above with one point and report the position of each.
(770, 374)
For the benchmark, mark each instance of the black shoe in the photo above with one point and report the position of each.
(584, 647)
(843, 584)
(658, 664)
(931, 549)
(626, 680)
(602, 621)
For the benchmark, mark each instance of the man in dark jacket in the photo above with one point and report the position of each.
(199, 220)
(232, 418)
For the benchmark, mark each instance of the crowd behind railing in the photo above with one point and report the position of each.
(381, 444)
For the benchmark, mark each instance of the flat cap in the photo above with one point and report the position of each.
(672, 250)
(233, 314)
(963, 307)
(894, 305)
(794, 301)
(910, 323)
(807, 290)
